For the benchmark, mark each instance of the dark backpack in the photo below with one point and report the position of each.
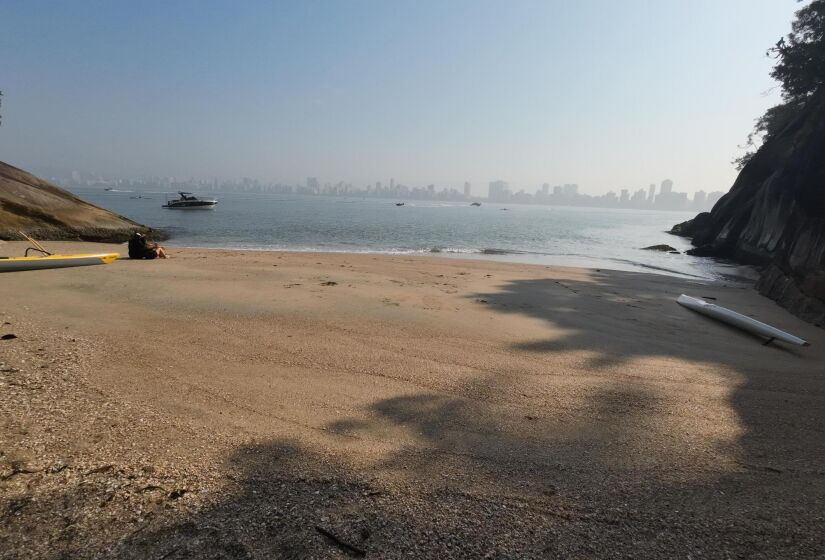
(137, 246)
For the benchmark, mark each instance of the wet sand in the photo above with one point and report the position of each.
(225, 403)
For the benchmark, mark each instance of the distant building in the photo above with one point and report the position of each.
(651, 193)
(467, 189)
(713, 198)
(625, 196)
(499, 191)
(699, 200)
(522, 197)
(572, 190)
(639, 198)
(313, 185)
(670, 200)
(557, 191)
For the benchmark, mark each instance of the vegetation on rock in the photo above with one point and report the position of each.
(774, 214)
(800, 69)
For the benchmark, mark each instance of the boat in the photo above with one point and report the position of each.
(399, 204)
(48, 260)
(17, 264)
(738, 320)
(188, 201)
(475, 204)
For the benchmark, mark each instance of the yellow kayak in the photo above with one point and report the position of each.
(15, 264)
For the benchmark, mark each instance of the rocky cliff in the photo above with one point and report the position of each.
(45, 211)
(774, 216)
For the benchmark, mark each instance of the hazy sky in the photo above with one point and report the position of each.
(608, 94)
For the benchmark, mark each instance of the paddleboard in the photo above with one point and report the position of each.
(15, 264)
(738, 320)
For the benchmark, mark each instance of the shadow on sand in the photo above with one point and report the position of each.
(623, 468)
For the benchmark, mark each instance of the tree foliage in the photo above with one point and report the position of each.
(800, 69)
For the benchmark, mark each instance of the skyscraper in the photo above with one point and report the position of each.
(667, 186)
(467, 189)
(699, 200)
(498, 190)
(651, 193)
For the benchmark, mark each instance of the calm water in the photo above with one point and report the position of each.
(590, 237)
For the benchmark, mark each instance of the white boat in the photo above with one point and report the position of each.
(738, 320)
(188, 201)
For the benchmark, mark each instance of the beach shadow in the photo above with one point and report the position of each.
(506, 493)
(618, 475)
(611, 316)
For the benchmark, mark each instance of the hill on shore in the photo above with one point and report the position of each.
(45, 211)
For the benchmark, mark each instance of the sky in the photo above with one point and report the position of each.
(602, 93)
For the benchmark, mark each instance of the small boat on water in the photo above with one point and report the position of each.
(475, 204)
(399, 204)
(189, 201)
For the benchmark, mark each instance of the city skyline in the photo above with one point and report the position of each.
(597, 92)
(498, 191)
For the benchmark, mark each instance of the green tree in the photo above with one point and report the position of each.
(800, 69)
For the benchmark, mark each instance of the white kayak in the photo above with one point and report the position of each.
(16, 264)
(738, 320)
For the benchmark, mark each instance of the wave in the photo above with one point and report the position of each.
(485, 251)
(454, 250)
(531, 257)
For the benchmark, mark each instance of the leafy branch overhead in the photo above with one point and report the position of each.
(800, 69)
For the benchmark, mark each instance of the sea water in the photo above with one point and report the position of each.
(588, 237)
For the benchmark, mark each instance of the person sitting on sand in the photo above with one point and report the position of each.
(141, 248)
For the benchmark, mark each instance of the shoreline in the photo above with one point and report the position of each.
(416, 407)
(718, 270)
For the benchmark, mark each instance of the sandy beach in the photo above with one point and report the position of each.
(227, 404)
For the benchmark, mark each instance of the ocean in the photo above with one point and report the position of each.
(587, 237)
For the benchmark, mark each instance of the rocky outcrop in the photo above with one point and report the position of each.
(663, 248)
(45, 211)
(774, 216)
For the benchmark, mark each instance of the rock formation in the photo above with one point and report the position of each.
(45, 211)
(774, 216)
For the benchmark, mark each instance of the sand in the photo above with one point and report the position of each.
(227, 403)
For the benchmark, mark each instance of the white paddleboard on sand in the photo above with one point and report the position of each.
(738, 320)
